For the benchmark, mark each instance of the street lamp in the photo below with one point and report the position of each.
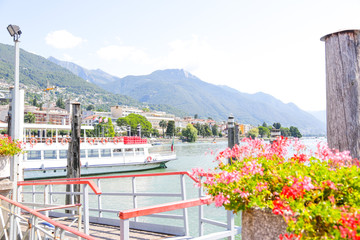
(17, 121)
(15, 131)
(14, 31)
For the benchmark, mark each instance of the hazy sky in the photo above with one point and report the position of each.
(252, 46)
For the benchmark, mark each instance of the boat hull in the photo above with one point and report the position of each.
(36, 173)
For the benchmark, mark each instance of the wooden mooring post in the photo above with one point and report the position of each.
(342, 53)
(73, 157)
(233, 132)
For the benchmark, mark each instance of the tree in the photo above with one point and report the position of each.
(122, 122)
(277, 125)
(198, 128)
(264, 124)
(60, 103)
(190, 133)
(264, 131)
(155, 132)
(34, 102)
(285, 132)
(29, 118)
(90, 107)
(294, 131)
(178, 131)
(196, 116)
(206, 131)
(163, 125)
(253, 133)
(105, 128)
(170, 130)
(133, 120)
(215, 130)
(111, 128)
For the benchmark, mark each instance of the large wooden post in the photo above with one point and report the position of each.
(342, 51)
(73, 159)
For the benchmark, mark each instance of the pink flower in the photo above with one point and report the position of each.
(330, 184)
(332, 199)
(220, 200)
(243, 194)
(287, 236)
(261, 186)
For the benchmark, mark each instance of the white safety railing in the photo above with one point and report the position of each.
(18, 221)
(128, 196)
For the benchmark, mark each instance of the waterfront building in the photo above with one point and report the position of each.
(52, 115)
(180, 122)
(274, 133)
(156, 117)
(123, 111)
(244, 128)
(90, 120)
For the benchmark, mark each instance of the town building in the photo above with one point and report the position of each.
(123, 111)
(156, 117)
(53, 115)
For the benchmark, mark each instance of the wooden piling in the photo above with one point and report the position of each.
(73, 157)
(342, 50)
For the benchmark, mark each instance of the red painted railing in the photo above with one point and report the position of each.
(138, 212)
(47, 219)
(61, 182)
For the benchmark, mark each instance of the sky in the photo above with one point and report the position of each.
(252, 46)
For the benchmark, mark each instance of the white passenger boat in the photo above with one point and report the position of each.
(47, 157)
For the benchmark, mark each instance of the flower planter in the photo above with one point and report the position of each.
(4, 167)
(261, 224)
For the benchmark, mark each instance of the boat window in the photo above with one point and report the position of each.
(50, 154)
(105, 153)
(139, 151)
(129, 151)
(117, 152)
(63, 153)
(34, 155)
(93, 153)
(82, 153)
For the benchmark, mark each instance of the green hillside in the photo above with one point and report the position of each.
(36, 73)
(182, 90)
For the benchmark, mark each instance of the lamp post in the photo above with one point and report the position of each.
(17, 121)
(15, 32)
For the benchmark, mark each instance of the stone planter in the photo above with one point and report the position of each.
(4, 167)
(261, 224)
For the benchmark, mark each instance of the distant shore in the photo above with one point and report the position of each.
(177, 140)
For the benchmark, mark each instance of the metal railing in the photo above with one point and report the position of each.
(117, 201)
(18, 221)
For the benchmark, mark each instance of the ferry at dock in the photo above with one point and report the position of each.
(46, 157)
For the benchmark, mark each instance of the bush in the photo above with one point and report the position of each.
(318, 194)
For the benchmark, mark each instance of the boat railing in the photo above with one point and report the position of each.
(138, 193)
(21, 222)
(90, 140)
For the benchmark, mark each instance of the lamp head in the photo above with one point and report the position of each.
(14, 31)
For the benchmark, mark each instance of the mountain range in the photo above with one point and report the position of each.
(182, 90)
(37, 73)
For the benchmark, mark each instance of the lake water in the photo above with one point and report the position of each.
(189, 155)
